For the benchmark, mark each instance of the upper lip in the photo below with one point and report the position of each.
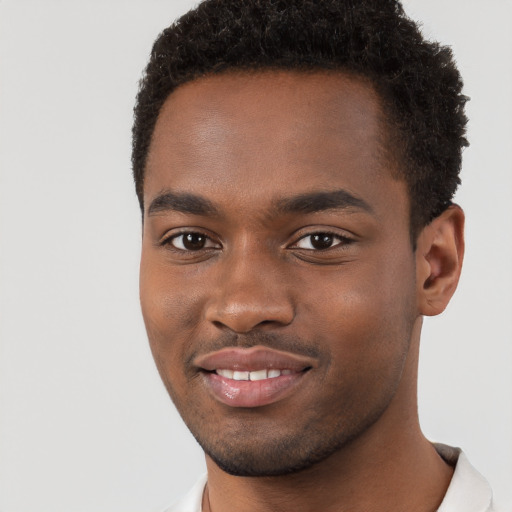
(253, 359)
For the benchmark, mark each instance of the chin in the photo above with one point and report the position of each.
(265, 464)
(251, 455)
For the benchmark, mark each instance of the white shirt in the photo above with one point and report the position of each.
(469, 491)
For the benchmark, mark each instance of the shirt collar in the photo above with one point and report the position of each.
(469, 490)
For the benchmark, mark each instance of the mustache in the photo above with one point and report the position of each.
(283, 342)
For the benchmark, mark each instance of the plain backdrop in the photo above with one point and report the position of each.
(85, 424)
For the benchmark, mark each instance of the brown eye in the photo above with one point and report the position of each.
(320, 241)
(191, 241)
(194, 241)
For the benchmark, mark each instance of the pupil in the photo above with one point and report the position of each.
(321, 241)
(194, 241)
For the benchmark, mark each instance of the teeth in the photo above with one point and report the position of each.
(254, 375)
(258, 375)
(226, 373)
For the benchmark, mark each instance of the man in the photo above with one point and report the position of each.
(295, 163)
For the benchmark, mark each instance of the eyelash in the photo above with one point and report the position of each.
(168, 241)
(342, 241)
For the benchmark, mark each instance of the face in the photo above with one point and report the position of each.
(277, 276)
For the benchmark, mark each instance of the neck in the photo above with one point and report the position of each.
(390, 467)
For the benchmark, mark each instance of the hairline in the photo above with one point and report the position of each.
(389, 136)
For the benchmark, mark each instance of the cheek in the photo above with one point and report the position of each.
(170, 308)
(366, 311)
(368, 336)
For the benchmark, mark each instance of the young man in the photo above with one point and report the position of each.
(295, 163)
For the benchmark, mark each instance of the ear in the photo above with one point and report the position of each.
(439, 255)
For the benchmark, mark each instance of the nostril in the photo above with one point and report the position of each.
(242, 314)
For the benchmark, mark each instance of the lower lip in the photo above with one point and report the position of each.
(246, 393)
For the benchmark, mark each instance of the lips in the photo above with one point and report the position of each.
(252, 377)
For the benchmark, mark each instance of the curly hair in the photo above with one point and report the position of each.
(417, 80)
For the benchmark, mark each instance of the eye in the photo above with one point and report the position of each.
(321, 241)
(191, 241)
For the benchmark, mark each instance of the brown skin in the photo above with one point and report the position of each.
(348, 438)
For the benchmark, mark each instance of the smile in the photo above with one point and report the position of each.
(271, 373)
(252, 377)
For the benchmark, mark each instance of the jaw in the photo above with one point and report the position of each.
(391, 450)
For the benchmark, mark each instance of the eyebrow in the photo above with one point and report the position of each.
(314, 202)
(310, 202)
(181, 202)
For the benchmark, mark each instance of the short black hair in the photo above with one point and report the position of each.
(417, 80)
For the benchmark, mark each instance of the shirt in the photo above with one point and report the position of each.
(468, 491)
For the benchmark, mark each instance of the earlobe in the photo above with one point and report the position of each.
(439, 256)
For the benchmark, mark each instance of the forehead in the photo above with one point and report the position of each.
(261, 133)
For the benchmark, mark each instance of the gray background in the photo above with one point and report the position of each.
(85, 424)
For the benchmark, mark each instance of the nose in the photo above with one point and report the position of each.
(251, 292)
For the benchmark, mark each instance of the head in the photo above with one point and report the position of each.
(417, 81)
(285, 158)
